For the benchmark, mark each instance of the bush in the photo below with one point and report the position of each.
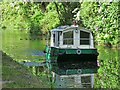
(102, 19)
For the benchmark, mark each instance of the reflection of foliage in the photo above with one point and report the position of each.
(102, 18)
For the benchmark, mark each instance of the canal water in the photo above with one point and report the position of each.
(22, 48)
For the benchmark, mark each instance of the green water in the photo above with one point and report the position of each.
(20, 47)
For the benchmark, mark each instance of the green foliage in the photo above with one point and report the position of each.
(50, 19)
(102, 19)
(64, 11)
(12, 17)
(108, 73)
(22, 16)
(29, 16)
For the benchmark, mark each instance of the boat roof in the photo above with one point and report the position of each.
(62, 28)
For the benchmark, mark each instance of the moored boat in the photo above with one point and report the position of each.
(71, 51)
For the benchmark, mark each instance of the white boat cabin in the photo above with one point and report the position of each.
(71, 37)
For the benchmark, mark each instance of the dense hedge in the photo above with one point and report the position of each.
(102, 19)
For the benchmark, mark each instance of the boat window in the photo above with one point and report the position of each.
(58, 38)
(54, 38)
(68, 38)
(84, 38)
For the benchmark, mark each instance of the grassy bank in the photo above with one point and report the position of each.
(15, 75)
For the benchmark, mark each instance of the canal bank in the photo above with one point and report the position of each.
(15, 75)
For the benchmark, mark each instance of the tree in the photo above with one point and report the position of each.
(102, 19)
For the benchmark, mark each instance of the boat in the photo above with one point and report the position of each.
(71, 51)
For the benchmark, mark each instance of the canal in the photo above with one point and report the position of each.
(22, 48)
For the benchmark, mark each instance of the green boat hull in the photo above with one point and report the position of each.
(64, 61)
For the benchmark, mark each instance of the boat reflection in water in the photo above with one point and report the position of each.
(71, 52)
